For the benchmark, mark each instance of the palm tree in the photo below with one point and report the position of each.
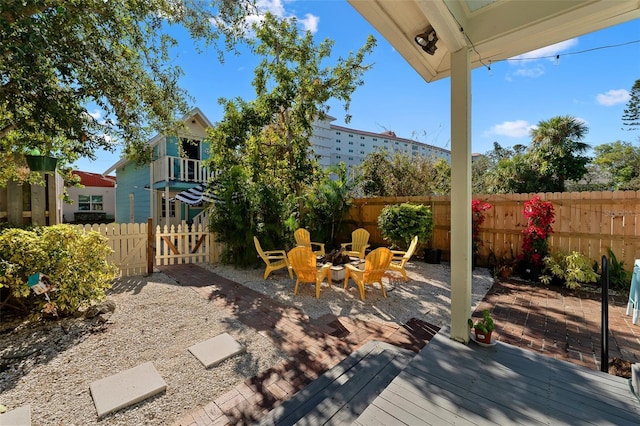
(556, 150)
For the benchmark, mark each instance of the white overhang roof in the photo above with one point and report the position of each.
(498, 29)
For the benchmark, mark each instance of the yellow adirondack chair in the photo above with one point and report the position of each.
(359, 243)
(375, 265)
(303, 263)
(400, 258)
(303, 238)
(274, 259)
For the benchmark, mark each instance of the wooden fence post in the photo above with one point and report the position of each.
(150, 250)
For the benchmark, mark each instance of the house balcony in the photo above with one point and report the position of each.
(172, 169)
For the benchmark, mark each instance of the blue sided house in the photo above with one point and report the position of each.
(149, 191)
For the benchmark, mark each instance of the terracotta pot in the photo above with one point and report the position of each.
(506, 272)
(483, 337)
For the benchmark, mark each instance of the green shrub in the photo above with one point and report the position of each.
(75, 262)
(573, 269)
(399, 223)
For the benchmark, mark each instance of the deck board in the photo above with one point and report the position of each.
(340, 395)
(452, 383)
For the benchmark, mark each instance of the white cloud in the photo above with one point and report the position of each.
(96, 114)
(549, 52)
(512, 129)
(277, 8)
(310, 23)
(534, 71)
(613, 97)
(529, 65)
(273, 6)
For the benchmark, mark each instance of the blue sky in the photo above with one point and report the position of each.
(507, 101)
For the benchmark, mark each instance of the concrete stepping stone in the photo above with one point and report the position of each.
(20, 416)
(126, 388)
(213, 351)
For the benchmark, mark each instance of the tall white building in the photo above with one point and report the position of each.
(335, 144)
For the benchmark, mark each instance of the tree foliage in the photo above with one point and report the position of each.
(631, 114)
(59, 56)
(263, 145)
(555, 156)
(397, 174)
(619, 163)
(326, 202)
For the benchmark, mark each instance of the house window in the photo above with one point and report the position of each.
(362, 152)
(375, 139)
(350, 150)
(172, 209)
(338, 140)
(361, 144)
(350, 135)
(350, 143)
(338, 149)
(90, 203)
(337, 156)
(337, 133)
(361, 137)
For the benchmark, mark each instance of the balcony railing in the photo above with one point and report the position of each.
(170, 168)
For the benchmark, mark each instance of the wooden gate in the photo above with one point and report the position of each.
(184, 244)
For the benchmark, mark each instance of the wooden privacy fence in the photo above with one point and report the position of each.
(135, 253)
(586, 222)
(129, 243)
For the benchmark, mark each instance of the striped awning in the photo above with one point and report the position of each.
(196, 195)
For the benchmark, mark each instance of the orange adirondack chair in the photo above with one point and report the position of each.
(303, 263)
(274, 259)
(303, 238)
(359, 243)
(375, 265)
(400, 258)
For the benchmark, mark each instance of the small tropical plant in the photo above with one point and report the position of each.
(484, 325)
(399, 223)
(619, 278)
(477, 219)
(574, 269)
(540, 217)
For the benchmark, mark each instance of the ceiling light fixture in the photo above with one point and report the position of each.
(427, 40)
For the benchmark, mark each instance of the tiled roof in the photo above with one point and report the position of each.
(95, 179)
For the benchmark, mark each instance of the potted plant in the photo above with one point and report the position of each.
(503, 266)
(40, 163)
(483, 327)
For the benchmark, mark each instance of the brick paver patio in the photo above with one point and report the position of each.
(313, 346)
(561, 323)
(556, 322)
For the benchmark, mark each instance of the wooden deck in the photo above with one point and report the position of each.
(340, 395)
(451, 383)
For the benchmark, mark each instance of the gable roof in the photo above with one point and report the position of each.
(95, 179)
(195, 113)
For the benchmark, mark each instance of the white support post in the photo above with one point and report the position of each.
(460, 194)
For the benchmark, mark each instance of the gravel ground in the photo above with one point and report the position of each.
(51, 364)
(425, 296)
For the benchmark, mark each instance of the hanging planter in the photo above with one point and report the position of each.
(41, 163)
